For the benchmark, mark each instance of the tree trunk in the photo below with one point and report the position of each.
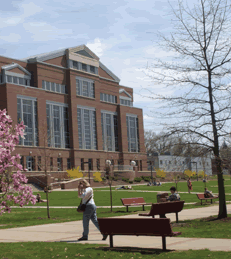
(221, 188)
(48, 210)
(111, 196)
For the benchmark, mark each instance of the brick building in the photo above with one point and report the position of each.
(70, 100)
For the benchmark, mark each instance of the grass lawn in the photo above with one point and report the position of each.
(102, 195)
(205, 227)
(51, 250)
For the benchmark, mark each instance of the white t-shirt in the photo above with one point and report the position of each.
(87, 193)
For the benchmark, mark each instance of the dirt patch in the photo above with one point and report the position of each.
(215, 218)
(180, 225)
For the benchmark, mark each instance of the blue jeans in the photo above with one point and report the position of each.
(89, 213)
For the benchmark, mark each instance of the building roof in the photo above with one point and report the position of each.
(81, 50)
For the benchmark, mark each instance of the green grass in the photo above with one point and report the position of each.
(33, 250)
(205, 227)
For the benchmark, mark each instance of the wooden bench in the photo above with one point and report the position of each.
(133, 202)
(165, 207)
(137, 227)
(201, 197)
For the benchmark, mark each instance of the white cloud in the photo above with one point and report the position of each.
(97, 46)
(26, 10)
(127, 62)
(12, 37)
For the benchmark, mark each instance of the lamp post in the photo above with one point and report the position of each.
(108, 164)
(196, 168)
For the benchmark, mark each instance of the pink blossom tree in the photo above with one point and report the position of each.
(12, 185)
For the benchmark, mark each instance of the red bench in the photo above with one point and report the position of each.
(137, 227)
(165, 207)
(134, 202)
(201, 197)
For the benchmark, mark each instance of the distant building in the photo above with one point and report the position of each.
(179, 163)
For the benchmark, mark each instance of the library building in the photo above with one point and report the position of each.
(75, 111)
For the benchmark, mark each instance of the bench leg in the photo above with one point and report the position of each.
(201, 202)
(164, 243)
(211, 201)
(153, 216)
(143, 207)
(127, 208)
(111, 241)
(176, 217)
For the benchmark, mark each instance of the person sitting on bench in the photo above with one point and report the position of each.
(173, 197)
(208, 193)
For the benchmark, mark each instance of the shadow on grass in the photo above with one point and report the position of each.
(128, 249)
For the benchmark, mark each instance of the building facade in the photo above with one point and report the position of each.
(171, 163)
(75, 111)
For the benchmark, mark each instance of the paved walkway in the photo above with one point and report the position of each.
(71, 231)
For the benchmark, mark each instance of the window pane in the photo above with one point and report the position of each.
(58, 90)
(75, 64)
(53, 87)
(87, 131)
(20, 81)
(15, 80)
(92, 90)
(109, 98)
(48, 86)
(9, 79)
(85, 88)
(101, 97)
(92, 69)
(80, 128)
(63, 89)
(57, 132)
(43, 84)
(84, 67)
(77, 87)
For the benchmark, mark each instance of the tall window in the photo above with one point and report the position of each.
(30, 163)
(85, 87)
(109, 124)
(87, 127)
(39, 163)
(57, 125)
(59, 164)
(27, 112)
(51, 163)
(98, 163)
(132, 133)
(90, 164)
(82, 164)
(68, 163)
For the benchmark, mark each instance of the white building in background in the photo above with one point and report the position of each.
(177, 163)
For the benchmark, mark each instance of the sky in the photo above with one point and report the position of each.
(121, 33)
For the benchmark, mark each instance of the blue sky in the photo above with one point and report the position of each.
(121, 33)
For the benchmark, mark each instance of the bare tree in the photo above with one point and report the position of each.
(44, 165)
(197, 78)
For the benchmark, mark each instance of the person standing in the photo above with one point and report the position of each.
(189, 184)
(86, 193)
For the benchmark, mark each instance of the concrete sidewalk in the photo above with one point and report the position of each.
(71, 231)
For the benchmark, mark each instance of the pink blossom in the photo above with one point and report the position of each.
(12, 182)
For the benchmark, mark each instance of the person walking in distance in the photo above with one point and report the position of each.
(189, 184)
(86, 193)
